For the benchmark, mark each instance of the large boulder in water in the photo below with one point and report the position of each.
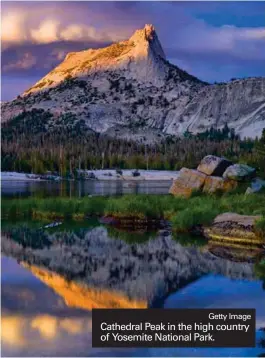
(189, 180)
(239, 172)
(212, 165)
(214, 184)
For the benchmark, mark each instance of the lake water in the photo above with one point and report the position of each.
(82, 188)
(51, 279)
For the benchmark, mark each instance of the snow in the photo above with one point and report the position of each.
(109, 174)
(104, 174)
(19, 176)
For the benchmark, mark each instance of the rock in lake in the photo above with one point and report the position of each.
(234, 228)
(239, 172)
(189, 180)
(213, 184)
(212, 165)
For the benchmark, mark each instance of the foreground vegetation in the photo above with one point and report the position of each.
(183, 213)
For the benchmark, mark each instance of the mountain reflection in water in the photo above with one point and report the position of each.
(64, 272)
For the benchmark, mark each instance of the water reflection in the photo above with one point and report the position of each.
(143, 268)
(80, 296)
(66, 271)
(37, 322)
(82, 188)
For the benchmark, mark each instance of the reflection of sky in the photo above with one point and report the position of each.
(217, 292)
(13, 273)
(35, 321)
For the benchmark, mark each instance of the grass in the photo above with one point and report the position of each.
(182, 213)
(260, 227)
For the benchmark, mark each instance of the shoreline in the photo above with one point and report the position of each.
(205, 214)
(98, 174)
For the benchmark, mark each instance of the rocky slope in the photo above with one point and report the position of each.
(129, 87)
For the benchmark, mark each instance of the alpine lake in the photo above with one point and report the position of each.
(54, 273)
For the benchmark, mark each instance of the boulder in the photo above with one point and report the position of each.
(239, 172)
(256, 185)
(213, 184)
(212, 165)
(234, 228)
(189, 180)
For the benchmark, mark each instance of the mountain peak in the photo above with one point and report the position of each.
(141, 57)
(147, 37)
(128, 87)
(145, 34)
(149, 30)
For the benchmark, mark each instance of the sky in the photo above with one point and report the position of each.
(215, 41)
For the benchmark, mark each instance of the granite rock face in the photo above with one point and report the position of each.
(212, 165)
(189, 180)
(213, 184)
(239, 172)
(129, 90)
(206, 178)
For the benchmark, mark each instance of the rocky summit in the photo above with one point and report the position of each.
(129, 90)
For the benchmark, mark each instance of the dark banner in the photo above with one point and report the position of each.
(173, 328)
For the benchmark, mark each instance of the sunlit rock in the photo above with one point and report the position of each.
(214, 184)
(189, 180)
(234, 227)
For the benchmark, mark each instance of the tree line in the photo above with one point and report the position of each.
(34, 142)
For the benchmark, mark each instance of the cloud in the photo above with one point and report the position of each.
(77, 32)
(27, 61)
(11, 332)
(18, 28)
(46, 325)
(201, 38)
(46, 33)
(59, 54)
(12, 28)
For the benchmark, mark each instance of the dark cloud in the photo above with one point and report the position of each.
(40, 57)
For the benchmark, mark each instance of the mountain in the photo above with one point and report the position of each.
(129, 90)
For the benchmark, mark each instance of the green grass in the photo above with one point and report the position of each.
(260, 227)
(183, 213)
